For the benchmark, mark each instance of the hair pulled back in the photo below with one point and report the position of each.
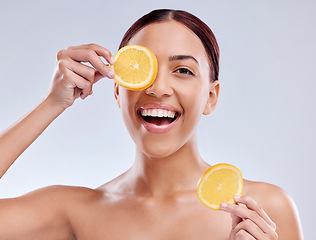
(196, 25)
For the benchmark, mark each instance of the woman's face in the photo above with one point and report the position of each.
(182, 91)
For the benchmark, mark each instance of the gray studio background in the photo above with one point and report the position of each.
(264, 122)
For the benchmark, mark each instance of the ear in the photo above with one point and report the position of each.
(116, 94)
(212, 98)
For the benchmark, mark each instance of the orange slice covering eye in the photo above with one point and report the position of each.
(135, 67)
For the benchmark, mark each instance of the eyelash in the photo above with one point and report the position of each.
(184, 71)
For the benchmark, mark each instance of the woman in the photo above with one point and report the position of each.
(156, 198)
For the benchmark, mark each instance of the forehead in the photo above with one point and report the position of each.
(170, 38)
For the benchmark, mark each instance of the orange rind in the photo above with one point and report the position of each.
(219, 184)
(135, 67)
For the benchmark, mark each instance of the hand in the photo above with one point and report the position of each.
(72, 78)
(249, 220)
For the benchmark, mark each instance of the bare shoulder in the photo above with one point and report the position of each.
(268, 195)
(264, 191)
(60, 199)
(278, 204)
(63, 194)
(46, 213)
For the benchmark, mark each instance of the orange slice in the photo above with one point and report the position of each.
(220, 183)
(135, 67)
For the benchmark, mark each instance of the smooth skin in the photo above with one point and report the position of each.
(155, 198)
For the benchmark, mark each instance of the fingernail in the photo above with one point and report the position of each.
(111, 74)
(223, 205)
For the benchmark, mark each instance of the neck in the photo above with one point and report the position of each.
(170, 174)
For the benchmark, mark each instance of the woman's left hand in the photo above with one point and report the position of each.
(249, 220)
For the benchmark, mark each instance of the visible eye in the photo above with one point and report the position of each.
(184, 71)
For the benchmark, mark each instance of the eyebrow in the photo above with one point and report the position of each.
(182, 57)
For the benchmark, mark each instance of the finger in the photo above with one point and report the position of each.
(73, 70)
(99, 76)
(101, 51)
(235, 220)
(77, 92)
(77, 81)
(248, 227)
(84, 71)
(254, 206)
(246, 213)
(90, 56)
(242, 234)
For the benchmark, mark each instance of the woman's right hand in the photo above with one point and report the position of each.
(72, 78)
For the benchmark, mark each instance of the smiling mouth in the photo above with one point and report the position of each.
(158, 117)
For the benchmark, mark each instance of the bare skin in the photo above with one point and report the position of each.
(156, 198)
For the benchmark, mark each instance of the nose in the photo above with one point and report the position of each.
(161, 87)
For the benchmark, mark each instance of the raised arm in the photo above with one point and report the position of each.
(71, 80)
(20, 136)
(43, 214)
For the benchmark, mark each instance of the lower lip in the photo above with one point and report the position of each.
(158, 129)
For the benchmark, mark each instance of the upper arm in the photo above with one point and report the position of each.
(37, 215)
(282, 210)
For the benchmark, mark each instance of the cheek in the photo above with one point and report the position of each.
(128, 100)
(193, 98)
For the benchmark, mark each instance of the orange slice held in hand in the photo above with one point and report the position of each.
(219, 184)
(135, 67)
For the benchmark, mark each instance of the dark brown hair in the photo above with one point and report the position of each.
(196, 25)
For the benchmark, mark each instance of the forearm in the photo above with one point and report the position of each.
(66, 86)
(16, 139)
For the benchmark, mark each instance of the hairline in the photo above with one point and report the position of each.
(210, 46)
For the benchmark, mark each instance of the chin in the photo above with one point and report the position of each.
(159, 150)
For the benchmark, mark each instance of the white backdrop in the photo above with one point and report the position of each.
(264, 122)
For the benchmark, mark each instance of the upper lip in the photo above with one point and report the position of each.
(155, 105)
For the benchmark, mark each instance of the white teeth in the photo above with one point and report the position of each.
(157, 113)
(154, 113)
(171, 114)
